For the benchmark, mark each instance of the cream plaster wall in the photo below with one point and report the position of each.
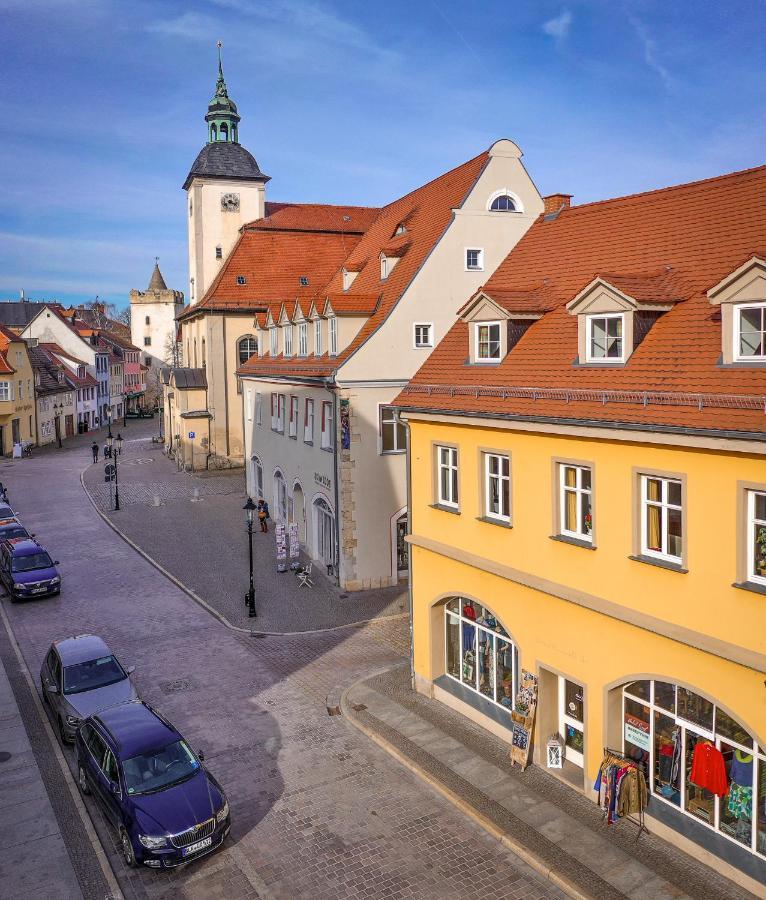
(211, 226)
(161, 307)
(48, 328)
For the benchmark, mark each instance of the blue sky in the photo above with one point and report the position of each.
(346, 102)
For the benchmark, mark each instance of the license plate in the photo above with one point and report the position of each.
(200, 845)
(39, 590)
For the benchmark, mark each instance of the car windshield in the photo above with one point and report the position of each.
(33, 561)
(13, 531)
(95, 673)
(159, 769)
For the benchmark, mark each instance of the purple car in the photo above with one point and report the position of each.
(167, 808)
(27, 570)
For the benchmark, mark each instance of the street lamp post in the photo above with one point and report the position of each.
(250, 508)
(115, 449)
(57, 409)
(124, 410)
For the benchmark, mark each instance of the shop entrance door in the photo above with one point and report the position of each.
(402, 548)
(69, 425)
(571, 721)
(325, 533)
(15, 431)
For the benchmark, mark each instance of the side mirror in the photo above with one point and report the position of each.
(201, 755)
(32, 534)
(114, 787)
(130, 670)
(51, 688)
(56, 562)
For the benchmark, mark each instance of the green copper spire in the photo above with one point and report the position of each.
(222, 117)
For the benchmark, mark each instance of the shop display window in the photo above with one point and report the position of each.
(702, 761)
(479, 652)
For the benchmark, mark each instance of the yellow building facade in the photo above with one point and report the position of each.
(598, 625)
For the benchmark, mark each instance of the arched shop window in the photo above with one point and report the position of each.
(480, 654)
(698, 759)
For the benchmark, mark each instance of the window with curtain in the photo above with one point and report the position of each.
(756, 527)
(303, 339)
(661, 518)
(273, 341)
(487, 341)
(393, 436)
(751, 332)
(575, 507)
(332, 327)
(447, 476)
(497, 487)
(605, 343)
(308, 422)
(318, 337)
(288, 339)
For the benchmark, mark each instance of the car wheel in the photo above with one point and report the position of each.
(82, 779)
(128, 853)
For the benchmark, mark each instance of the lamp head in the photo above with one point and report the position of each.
(249, 508)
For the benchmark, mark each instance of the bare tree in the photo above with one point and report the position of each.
(172, 352)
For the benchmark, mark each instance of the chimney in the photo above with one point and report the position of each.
(32, 342)
(554, 203)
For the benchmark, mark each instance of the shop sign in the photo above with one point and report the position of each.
(637, 732)
(322, 479)
(192, 435)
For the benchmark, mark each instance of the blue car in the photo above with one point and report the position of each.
(27, 570)
(167, 808)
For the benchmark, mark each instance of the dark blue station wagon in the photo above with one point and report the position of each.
(167, 808)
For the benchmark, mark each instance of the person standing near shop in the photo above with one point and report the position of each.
(263, 515)
(94, 448)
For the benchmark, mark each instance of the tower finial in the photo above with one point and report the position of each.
(220, 65)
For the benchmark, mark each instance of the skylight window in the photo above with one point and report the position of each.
(241, 279)
(401, 228)
(304, 282)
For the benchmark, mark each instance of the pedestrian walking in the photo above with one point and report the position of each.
(263, 515)
(94, 448)
(107, 451)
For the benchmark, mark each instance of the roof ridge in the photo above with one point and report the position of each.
(664, 190)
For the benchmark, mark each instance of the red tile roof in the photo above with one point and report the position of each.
(5, 367)
(6, 336)
(353, 304)
(696, 234)
(428, 212)
(316, 217)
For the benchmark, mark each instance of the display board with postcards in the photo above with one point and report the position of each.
(523, 716)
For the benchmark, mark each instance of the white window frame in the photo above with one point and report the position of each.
(738, 310)
(752, 524)
(303, 339)
(332, 328)
(383, 267)
(293, 426)
(258, 408)
(6, 390)
(664, 506)
(327, 426)
(589, 320)
(479, 267)
(502, 516)
(417, 342)
(388, 420)
(281, 413)
(250, 404)
(451, 466)
(580, 492)
(273, 341)
(485, 360)
(317, 337)
(287, 338)
(565, 720)
(308, 422)
(501, 193)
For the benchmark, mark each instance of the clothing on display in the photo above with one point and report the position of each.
(740, 801)
(621, 788)
(709, 769)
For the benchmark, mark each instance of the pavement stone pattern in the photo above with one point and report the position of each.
(317, 809)
(204, 544)
(563, 828)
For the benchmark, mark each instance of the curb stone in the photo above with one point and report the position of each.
(531, 859)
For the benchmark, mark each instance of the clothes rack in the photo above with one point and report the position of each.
(618, 757)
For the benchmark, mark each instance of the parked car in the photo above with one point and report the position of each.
(27, 570)
(6, 511)
(80, 676)
(12, 528)
(166, 806)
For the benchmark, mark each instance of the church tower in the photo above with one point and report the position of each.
(225, 189)
(153, 321)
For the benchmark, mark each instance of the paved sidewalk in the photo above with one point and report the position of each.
(563, 829)
(197, 533)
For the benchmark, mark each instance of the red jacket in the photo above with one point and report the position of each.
(709, 769)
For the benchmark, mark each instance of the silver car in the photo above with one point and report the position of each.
(81, 676)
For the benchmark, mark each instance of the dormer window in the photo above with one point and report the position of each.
(304, 282)
(750, 332)
(383, 268)
(288, 330)
(273, 341)
(241, 279)
(488, 341)
(348, 278)
(401, 228)
(605, 338)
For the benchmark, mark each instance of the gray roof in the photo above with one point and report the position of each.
(19, 313)
(189, 378)
(225, 159)
(157, 282)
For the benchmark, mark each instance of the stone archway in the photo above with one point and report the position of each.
(299, 512)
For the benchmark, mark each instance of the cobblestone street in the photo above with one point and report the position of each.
(317, 809)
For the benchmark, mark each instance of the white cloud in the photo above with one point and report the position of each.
(559, 26)
(651, 57)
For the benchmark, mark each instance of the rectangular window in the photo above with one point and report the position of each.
(147, 320)
(487, 341)
(756, 540)
(147, 342)
(661, 518)
(423, 334)
(303, 339)
(273, 341)
(604, 338)
(447, 473)
(308, 422)
(6, 390)
(750, 336)
(21, 389)
(293, 417)
(575, 503)
(497, 487)
(332, 327)
(258, 409)
(474, 260)
(288, 338)
(273, 412)
(281, 412)
(393, 435)
(327, 426)
(318, 337)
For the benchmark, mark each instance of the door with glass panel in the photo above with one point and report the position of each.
(571, 722)
(325, 533)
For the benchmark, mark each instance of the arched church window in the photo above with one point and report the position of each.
(224, 131)
(246, 347)
(213, 133)
(234, 133)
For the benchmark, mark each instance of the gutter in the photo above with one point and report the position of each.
(410, 601)
(336, 420)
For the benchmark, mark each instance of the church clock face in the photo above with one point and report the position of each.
(230, 202)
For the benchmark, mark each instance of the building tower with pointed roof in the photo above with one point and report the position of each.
(225, 187)
(153, 320)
